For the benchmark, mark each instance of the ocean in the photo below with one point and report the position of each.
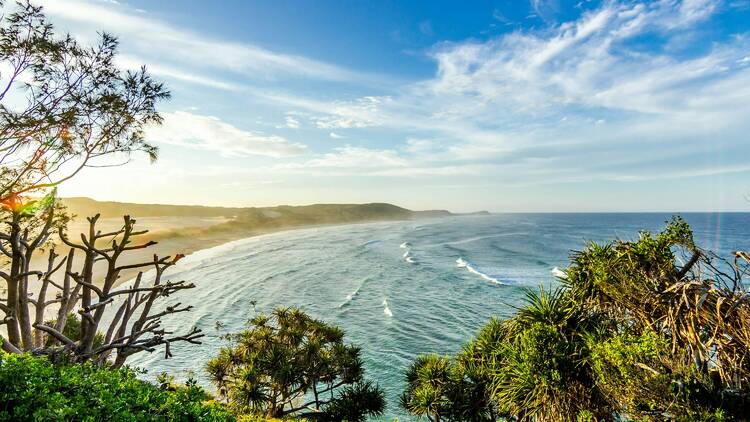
(402, 288)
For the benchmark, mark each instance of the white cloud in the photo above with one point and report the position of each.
(569, 88)
(518, 109)
(169, 43)
(212, 134)
(583, 62)
(132, 63)
(364, 112)
(291, 122)
(359, 161)
(356, 157)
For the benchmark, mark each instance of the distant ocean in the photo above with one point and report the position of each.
(400, 288)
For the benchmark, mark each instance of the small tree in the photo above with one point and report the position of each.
(444, 389)
(291, 364)
(428, 381)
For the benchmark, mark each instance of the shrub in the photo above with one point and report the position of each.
(33, 389)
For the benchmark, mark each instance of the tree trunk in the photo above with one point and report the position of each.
(14, 335)
(40, 301)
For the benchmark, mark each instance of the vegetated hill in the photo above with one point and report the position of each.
(284, 215)
(88, 207)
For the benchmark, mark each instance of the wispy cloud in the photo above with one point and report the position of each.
(212, 134)
(291, 122)
(355, 158)
(165, 42)
(364, 112)
(572, 86)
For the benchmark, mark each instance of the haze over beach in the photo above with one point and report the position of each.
(387, 211)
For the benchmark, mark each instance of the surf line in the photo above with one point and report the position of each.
(462, 263)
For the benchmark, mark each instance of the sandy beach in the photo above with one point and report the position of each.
(174, 235)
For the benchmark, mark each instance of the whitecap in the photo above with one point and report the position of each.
(351, 296)
(462, 263)
(386, 309)
(404, 245)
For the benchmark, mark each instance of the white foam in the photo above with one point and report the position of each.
(351, 295)
(559, 273)
(407, 255)
(386, 309)
(462, 263)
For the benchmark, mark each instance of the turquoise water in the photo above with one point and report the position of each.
(398, 288)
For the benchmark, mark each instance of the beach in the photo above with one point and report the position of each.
(174, 235)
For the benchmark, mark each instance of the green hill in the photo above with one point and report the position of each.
(87, 207)
(255, 217)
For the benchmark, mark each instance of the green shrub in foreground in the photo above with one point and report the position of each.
(33, 389)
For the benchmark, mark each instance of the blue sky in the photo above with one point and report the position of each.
(506, 105)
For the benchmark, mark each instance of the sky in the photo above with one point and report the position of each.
(540, 105)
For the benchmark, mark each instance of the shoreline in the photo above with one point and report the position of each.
(190, 246)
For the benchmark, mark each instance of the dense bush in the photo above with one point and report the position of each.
(650, 329)
(33, 389)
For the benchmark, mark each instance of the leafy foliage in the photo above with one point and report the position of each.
(445, 390)
(86, 392)
(650, 329)
(64, 105)
(288, 363)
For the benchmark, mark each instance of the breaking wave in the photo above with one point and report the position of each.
(386, 309)
(352, 295)
(407, 255)
(462, 263)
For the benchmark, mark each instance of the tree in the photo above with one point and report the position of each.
(444, 389)
(63, 107)
(428, 381)
(136, 324)
(682, 335)
(288, 363)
